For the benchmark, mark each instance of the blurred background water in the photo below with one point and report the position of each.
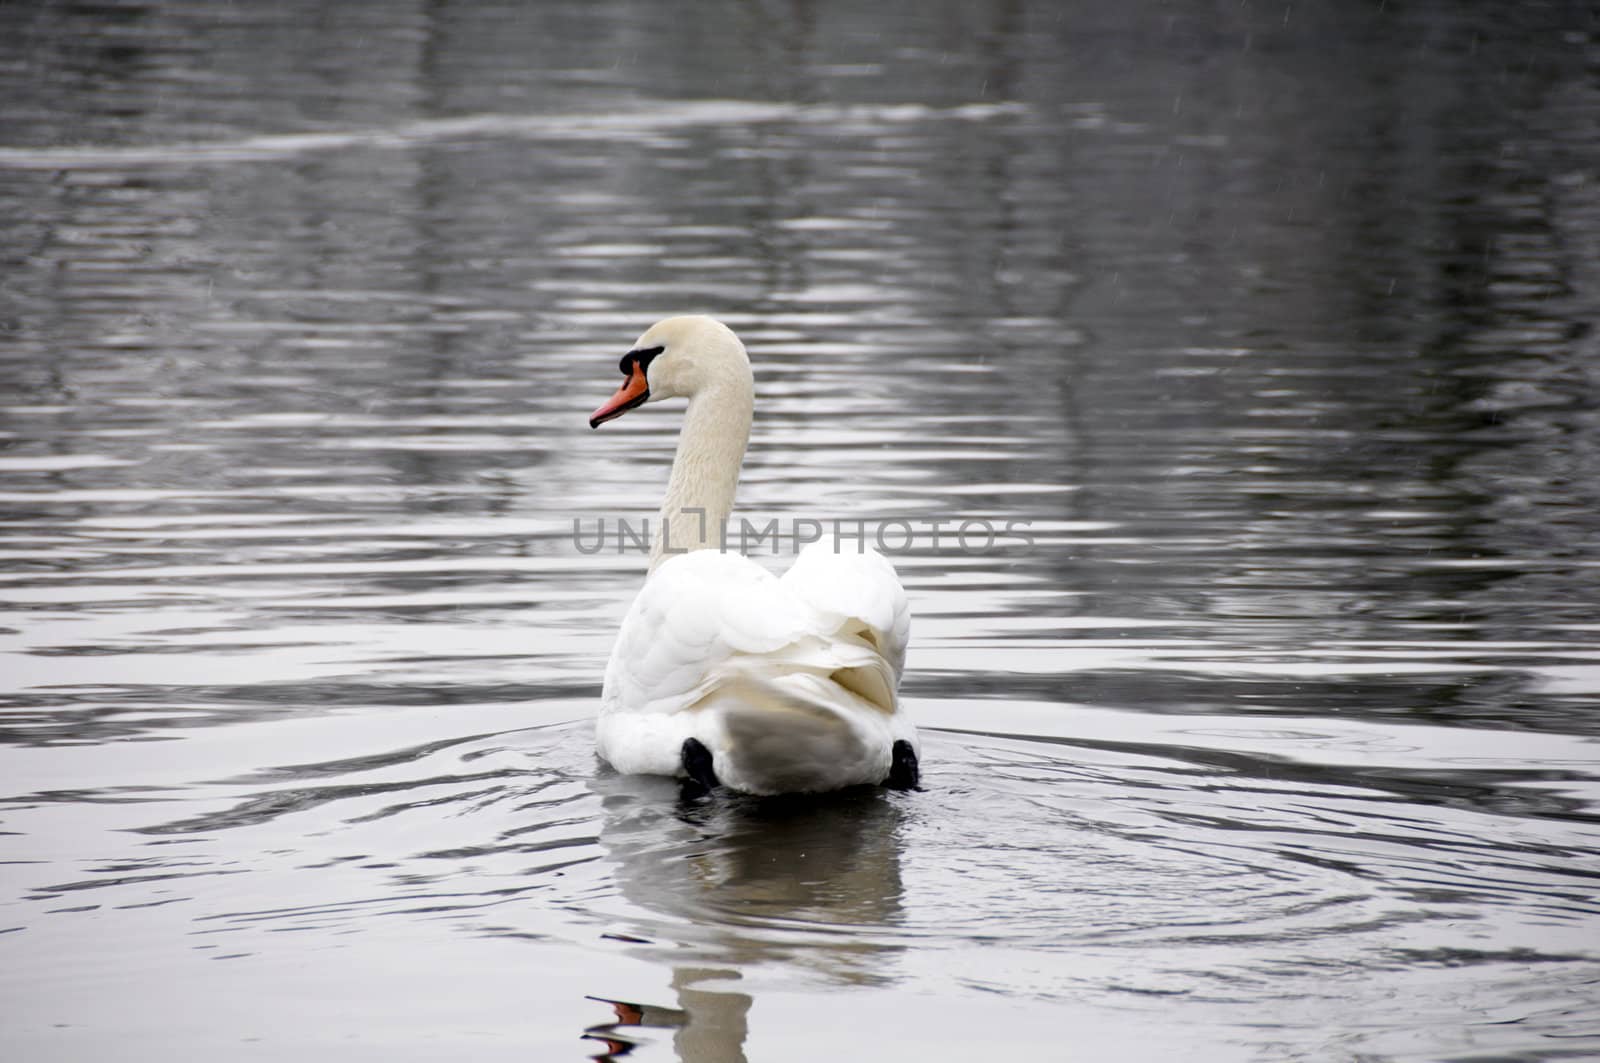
(1272, 321)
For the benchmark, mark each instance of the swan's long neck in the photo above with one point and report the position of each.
(705, 471)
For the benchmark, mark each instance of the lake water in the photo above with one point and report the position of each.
(1272, 735)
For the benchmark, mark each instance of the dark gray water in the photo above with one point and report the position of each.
(1271, 324)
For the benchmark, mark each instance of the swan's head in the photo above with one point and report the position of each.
(677, 358)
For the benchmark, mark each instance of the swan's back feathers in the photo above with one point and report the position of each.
(858, 591)
(791, 683)
(692, 614)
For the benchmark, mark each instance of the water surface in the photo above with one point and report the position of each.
(1270, 328)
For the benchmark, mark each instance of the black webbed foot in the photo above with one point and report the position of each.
(697, 765)
(903, 770)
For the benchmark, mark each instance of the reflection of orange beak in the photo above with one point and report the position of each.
(634, 391)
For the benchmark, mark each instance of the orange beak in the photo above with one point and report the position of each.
(633, 392)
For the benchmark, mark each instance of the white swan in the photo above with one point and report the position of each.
(722, 672)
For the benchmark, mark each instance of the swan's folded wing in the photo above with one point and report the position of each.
(693, 614)
(854, 594)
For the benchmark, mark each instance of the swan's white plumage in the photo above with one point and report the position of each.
(790, 684)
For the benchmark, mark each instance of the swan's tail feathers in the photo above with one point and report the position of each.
(793, 735)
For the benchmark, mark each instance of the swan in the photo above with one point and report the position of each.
(722, 673)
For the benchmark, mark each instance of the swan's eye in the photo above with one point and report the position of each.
(644, 357)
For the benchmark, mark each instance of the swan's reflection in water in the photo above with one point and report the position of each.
(726, 883)
(709, 1026)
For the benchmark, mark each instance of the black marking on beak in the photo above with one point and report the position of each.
(643, 356)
